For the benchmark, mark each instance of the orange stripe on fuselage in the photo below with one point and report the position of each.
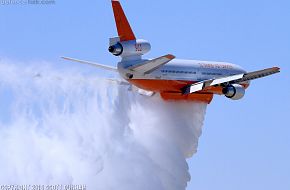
(156, 85)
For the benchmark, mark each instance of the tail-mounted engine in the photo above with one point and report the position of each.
(128, 48)
(234, 91)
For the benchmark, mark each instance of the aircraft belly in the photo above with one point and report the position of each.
(199, 97)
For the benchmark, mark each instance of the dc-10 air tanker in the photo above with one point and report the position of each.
(173, 79)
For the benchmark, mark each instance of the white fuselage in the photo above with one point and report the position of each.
(188, 70)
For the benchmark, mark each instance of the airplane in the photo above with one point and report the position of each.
(174, 79)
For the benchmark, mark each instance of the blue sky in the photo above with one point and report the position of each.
(245, 144)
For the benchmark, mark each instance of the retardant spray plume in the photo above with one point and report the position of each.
(66, 128)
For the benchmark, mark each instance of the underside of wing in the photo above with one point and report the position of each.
(233, 79)
(150, 66)
(211, 82)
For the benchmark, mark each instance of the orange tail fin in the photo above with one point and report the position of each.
(124, 29)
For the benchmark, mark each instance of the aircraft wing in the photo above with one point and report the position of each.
(258, 74)
(149, 66)
(230, 79)
(110, 68)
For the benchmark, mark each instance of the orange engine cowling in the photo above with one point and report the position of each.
(200, 97)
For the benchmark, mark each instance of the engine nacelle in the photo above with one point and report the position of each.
(130, 48)
(234, 91)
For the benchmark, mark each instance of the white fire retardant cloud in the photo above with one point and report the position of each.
(61, 127)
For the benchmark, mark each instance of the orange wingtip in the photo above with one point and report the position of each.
(124, 29)
(169, 56)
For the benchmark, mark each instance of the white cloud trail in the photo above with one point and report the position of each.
(61, 127)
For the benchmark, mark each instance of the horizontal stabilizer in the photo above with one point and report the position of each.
(150, 66)
(110, 68)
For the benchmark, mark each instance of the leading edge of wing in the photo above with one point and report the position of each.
(259, 74)
(110, 68)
